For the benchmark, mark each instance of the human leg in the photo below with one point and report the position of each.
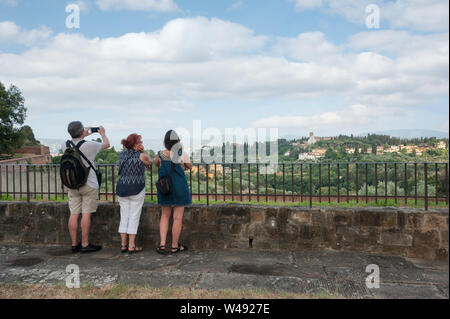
(124, 218)
(177, 227)
(164, 226)
(135, 210)
(73, 228)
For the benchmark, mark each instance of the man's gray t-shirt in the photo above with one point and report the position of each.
(90, 150)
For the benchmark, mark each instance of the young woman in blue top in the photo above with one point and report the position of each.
(131, 189)
(180, 196)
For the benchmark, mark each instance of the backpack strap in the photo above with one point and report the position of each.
(80, 143)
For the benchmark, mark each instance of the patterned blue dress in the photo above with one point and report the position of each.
(181, 195)
(131, 174)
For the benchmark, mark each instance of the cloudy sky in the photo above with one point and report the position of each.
(146, 66)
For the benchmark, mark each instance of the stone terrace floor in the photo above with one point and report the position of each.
(306, 272)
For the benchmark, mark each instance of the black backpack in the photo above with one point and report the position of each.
(164, 185)
(73, 172)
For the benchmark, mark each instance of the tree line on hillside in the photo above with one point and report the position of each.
(12, 116)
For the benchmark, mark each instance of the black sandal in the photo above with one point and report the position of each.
(135, 250)
(124, 250)
(178, 250)
(161, 249)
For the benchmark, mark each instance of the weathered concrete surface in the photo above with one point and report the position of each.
(307, 271)
(380, 230)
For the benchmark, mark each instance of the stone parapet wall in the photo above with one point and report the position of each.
(386, 230)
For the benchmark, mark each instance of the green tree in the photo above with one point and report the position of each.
(56, 159)
(374, 149)
(108, 156)
(26, 137)
(12, 114)
(331, 155)
(151, 153)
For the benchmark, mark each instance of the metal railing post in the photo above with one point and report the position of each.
(426, 185)
(207, 184)
(28, 183)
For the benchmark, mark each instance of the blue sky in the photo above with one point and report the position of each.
(299, 65)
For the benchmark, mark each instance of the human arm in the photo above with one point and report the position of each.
(186, 161)
(146, 160)
(143, 156)
(157, 161)
(105, 139)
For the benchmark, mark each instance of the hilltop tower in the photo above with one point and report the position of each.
(311, 139)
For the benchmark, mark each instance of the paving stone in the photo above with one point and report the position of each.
(160, 279)
(389, 291)
(310, 271)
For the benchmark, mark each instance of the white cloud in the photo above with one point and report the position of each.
(307, 4)
(138, 5)
(423, 15)
(10, 3)
(308, 46)
(12, 33)
(355, 115)
(193, 60)
(236, 5)
(180, 40)
(396, 42)
(82, 4)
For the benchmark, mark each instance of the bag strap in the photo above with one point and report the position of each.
(81, 153)
(80, 143)
(172, 165)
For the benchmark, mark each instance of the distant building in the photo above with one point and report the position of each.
(311, 139)
(306, 156)
(313, 155)
(421, 149)
(319, 152)
(314, 139)
(441, 145)
(393, 149)
(36, 155)
(350, 150)
(409, 148)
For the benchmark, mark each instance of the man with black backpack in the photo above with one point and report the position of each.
(80, 175)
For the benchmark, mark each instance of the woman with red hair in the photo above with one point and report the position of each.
(131, 189)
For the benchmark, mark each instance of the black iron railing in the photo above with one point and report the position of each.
(418, 184)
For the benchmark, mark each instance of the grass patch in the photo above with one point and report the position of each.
(324, 294)
(351, 203)
(124, 291)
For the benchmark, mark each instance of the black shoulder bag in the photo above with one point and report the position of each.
(164, 185)
(97, 172)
